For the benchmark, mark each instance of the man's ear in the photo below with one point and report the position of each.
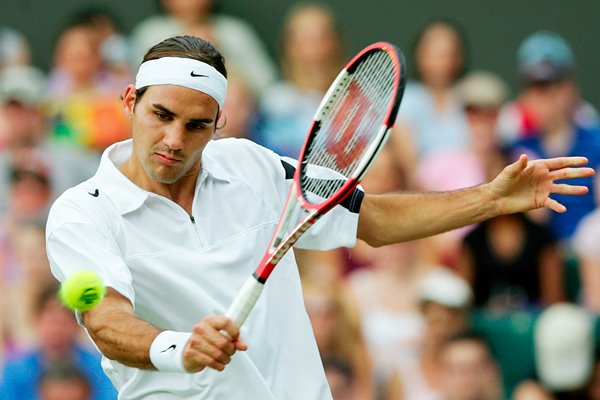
(129, 97)
(219, 123)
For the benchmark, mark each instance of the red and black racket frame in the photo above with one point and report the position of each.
(316, 211)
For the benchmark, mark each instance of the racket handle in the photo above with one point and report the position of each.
(245, 300)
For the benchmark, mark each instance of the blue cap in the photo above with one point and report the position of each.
(545, 57)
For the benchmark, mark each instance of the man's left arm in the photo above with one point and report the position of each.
(521, 186)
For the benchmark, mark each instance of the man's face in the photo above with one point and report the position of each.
(442, 322)
(71, 389)
(57, 329)
(439, 56)
(467, 372)
(22, 124)
(311, 38)
(482, 125)
(171, 125)
(551, 103)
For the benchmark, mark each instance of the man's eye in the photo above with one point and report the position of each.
(195, 126)
(162, 116)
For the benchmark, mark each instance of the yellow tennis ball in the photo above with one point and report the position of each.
(82, 291)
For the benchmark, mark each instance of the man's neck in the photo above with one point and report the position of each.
(180, 192)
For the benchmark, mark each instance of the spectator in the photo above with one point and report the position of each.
(23, 270)
(234, 38)
(30, 191)
(481, 95)
(585, 246)
(340, 378)
(432, 117)
(114, 46)
(21, 91)
(389, 305)
(25, 130)
(511, 261)
(547, 69)
(57, 332)
(312, 57)
(61, 380)
(14, 48)
(519, 119)
(564, 348)
(468, 370)
(23, 262)
(83, 94)
(445, 305)
(332, 313)
(78, 67)
(239, 110)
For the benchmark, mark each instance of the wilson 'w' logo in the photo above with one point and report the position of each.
(344, 126)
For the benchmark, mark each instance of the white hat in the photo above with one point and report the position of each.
(24, 84)
(482, 89)
(444, 287)
(564, 346)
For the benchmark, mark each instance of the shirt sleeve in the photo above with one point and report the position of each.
(271, 176)
(74, 242)
(337, 228)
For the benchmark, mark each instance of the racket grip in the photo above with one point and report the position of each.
(245, 300)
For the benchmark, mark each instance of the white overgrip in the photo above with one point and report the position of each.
(245, 300)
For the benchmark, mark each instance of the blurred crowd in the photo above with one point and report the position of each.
(506, 309)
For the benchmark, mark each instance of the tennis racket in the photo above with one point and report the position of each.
(350, 127)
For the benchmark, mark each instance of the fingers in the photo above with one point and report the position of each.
(209, 345)
(515, 168)
(562, 188)
(554, 205)
(571, 173)
(240, 345)
(562, 162)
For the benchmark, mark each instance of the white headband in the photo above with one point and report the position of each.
(184, 72)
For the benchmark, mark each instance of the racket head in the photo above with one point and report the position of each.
(351, 126)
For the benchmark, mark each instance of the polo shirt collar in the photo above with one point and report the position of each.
(211, 165)
(126, 195)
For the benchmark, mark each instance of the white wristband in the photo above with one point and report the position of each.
(166, 351)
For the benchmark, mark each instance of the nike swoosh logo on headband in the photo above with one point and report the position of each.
(198, 75)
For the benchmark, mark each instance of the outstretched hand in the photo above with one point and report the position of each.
(526, 185)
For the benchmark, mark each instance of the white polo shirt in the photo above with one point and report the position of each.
(176, 269)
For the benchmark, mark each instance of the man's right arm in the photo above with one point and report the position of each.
(118, 333)
(123, 337)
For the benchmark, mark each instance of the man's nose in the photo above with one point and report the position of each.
(174, 137)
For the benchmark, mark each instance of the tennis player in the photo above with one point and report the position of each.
(174, 223)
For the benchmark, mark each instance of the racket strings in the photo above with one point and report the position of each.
(352, 119)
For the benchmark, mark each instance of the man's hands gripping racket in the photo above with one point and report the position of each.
(350, 127)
